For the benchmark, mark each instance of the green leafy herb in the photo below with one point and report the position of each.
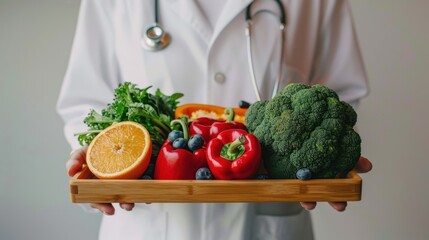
(153, 111)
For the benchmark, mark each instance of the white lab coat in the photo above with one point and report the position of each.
(321, 48)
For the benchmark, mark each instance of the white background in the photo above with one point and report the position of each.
(35, 40)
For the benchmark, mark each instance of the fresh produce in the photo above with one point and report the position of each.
(305, 127)
(203, 174)
(178, 162)
(209, 128)
(195, 110)
(202, 126)
(175, 134)
(121, 151)
(234, 154)
(195, 142)
(180, 143)
(303, 174)
(153, 111)
(304, 132)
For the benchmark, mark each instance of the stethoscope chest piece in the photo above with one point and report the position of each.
(155, 39)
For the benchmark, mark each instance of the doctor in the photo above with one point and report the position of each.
(207, 60)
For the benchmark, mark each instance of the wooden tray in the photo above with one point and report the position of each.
(85, 188)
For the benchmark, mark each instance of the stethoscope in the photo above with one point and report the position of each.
(156, 39)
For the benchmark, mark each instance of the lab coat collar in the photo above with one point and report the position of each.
(229, 12)
(191, 13)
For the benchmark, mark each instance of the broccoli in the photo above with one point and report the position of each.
(305, 127)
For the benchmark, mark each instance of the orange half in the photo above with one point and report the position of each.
(121, 151)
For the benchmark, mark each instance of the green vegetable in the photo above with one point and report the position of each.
(153, 111)
(305, 127)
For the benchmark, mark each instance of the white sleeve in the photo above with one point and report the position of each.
(92, 73)
(338, 63)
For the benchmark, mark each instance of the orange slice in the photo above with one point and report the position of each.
(121, 151)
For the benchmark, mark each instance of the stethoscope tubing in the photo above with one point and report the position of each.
(248, 34)
(156, 39)
(280, 5)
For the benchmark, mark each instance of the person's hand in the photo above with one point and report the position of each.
(74, 165)
(363, 165)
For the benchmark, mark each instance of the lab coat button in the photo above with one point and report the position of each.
(219, 77)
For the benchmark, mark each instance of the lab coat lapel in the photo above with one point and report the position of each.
(192, 14)
(229, 12)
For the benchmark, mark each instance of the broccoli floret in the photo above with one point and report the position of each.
(325, 90)
(350, 151)
(291, 89)
(278, 164)
(253, 116)
(305, 127)
(317, 153)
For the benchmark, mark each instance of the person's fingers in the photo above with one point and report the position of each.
(127, 206)
(106, 208)
(363, 165)
(339, 206)
(73, 166)
(308, 205)
(76, 160)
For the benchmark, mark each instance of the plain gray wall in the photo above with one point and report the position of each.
(35, 40)
(393, 122)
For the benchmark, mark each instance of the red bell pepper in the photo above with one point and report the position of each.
(178, 164)
(202, 126)
(234, 154)
(209, 128)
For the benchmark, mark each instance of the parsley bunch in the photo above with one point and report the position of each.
(153, 111)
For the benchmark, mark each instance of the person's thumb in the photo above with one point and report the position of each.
(363, 165)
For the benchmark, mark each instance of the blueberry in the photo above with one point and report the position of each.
(180, 143)
(262, 176)
(203, 174)
(175, 134)
(146, 177)
(303, 174)
(196, 142)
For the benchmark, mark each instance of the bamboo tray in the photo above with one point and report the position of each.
(85, 188)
